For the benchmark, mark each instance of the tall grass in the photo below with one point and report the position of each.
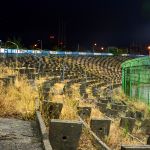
(70, 102)
(132, 103)
(18, 100)
(118, 136)
(6, 71)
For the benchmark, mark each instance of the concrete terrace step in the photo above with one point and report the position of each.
(17, 134)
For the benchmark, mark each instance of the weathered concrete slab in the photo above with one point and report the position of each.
(43, 131)
(46, 89)
(84, 112)
(145, 126)
(85, 95)
(112, 113)
(97, 142)
(64, 134)
(45, 95)
(119, 107)
(5, 81)
(148, 141)
(130, 113)
(102, 107)
(18, 134)
(133, 147)
(104, 101)
(139, 115)
(12, 78)
(100, 127)
(128, 123)
(53, 110)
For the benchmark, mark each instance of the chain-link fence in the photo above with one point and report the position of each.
(136, 78)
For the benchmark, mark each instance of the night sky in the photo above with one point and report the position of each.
(106, 22)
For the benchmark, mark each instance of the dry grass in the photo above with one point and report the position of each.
(5, 71)
(85, 142)
(95, 113)
(69, 110)
(118, 95)
(119, 136)
(140, 106)
(70, 103)
(18, 100)
(134, 104)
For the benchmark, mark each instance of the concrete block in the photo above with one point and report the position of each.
(45, 95)
(109, 98)
(64, 134)
(12, 78)
(104, 101)
(145, 126)
(53, 110)
(84, 112)
(148, 141)
(85, 95)
(119, 107)
(102, 107)
(128, 123)
(21, 70)
(134, 147)
(139, 115)
(29, 70)
(130, 113)
(5, 81)
(118, 103)
(46, 89)
(112, 113)
(33, 75)
(43, 131)
(100, 127)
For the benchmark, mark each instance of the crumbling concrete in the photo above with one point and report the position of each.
(64, 134)
(145, 126)
(133, 147)
(100, 127)
(119, 107)
(102, 107)
(84, 112)
(127, 123)
(18, 134)
(53, 110)
(112, 113)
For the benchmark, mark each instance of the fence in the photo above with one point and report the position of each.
(136, 78)
(19, 52)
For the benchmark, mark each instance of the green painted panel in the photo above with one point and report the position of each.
(136, 78)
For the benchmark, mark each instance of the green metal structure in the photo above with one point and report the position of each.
(136, 78)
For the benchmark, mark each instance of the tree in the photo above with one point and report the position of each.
(15, 40)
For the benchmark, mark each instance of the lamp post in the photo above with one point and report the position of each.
(41, 44)
(94, 45)
(16, 46)
(12, 43)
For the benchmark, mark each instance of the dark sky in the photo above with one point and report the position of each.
(106, 22)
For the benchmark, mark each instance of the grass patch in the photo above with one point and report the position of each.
(6, 71)
(18, 100)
